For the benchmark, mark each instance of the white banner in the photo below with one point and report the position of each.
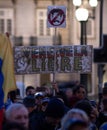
(49, 59)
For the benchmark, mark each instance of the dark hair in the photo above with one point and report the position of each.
(77, 87)
(105, 90)
(13, 125)
(13, 94)
(104, 101)
(84, 105)
(29, 101)
(29, 87)
(55, 108)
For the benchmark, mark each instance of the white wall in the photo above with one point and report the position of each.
(25, 18)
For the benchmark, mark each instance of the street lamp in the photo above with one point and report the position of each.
(82, 15)
(77, 2)
(92, 3)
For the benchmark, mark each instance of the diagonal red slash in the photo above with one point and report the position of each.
(59, 13)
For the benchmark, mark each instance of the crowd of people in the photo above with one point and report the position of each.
(68, 109)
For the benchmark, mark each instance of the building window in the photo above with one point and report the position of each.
(2, 25)
(1, 13)
(40, 13)
(57, 40)
(90, 28)
(42, 29)
(41, 32)
(18, 41)
(90, 31)
(9, 26)
(48, 31)
(6, 21)
(33, 41)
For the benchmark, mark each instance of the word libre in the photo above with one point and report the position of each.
(49, 59)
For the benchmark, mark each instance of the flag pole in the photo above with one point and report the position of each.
(54, 73)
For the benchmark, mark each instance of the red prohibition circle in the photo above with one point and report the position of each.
(56, 17)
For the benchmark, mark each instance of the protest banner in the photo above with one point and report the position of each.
(49, 59)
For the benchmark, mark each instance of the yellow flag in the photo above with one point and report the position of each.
(7, 76)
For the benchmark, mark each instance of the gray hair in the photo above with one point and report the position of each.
(70, 115)
(11, 108)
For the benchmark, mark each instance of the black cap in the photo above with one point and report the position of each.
(29, 101)
(84, 105)
(55, 108)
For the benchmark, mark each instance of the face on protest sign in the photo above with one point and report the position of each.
(49, 59)
(56, 16)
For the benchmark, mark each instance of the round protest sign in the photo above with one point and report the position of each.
(56, 16)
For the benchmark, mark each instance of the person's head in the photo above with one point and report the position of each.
(30, 90)
(13, 126)
(54, 112)
(17, 113)
(104, 104)
(104, 93)
(12, 95)
(103, 126)
(79, 91)
(75, 124)
(84, 105)
(68, 92)
(74, 114)
(44, 103)
(29, 103)
(38, 97)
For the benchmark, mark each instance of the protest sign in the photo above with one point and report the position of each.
(49, 59)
